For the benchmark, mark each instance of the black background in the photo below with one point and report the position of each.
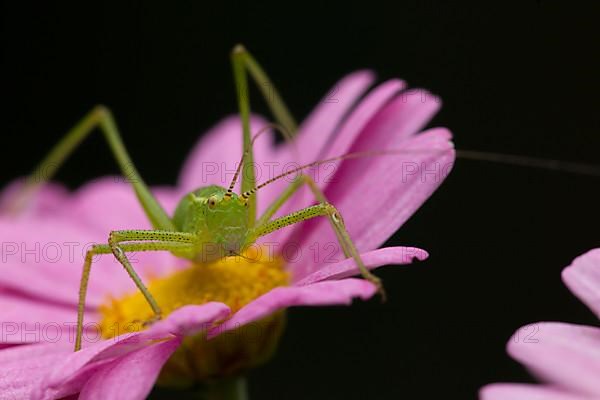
(519, 79)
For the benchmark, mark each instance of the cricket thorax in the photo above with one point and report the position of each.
(218, 219)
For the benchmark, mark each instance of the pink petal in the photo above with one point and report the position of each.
(375, 125)
(338, 145)
(404, 192)
(563, 354)
(318, 294)
(26, 320)
(109, 203)
(44, 258)
(130, 377)
(189, 320)
(216, 156)
(48, 199)
(376, 196)
(400, 119)
(23, 368)
(372, 260)
(316, 132)
(515, 391)
(320, 124)
(357, 123)
(369, 109)
(71, 371)
(583, 278)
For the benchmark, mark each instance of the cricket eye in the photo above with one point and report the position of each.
(212, 202)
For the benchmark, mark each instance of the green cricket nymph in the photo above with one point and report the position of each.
(211, 222)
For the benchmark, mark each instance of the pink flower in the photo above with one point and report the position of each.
(43, 251)
(566, 357)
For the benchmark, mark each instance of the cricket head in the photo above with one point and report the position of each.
(225, 219)
(219, 219)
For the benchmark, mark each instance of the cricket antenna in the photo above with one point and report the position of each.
(523, 161)
(358, 154)
(556, 165)
(284, 132)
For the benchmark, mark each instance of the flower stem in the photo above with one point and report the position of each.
(228, 389)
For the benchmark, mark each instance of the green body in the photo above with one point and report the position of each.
(220, 223)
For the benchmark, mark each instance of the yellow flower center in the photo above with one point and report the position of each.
(235, 281)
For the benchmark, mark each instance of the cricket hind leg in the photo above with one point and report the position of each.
(100, 117)
(323, 208)
(268, 90)
(180, 242)
(243, 63)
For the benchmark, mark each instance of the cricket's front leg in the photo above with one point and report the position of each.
(83, 285)
(147, 240)
(337, 223)
(121, 242)
(119, 252)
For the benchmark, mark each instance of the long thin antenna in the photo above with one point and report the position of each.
(359, 154)
(264, 129)
(510, 159)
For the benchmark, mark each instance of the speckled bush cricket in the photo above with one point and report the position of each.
(213, 215)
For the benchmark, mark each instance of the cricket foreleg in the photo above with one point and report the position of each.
(337, 222)
(119, 250)
(292, 188)
(147, 240)
(149, 235)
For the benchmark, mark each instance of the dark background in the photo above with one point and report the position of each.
(519, 79)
